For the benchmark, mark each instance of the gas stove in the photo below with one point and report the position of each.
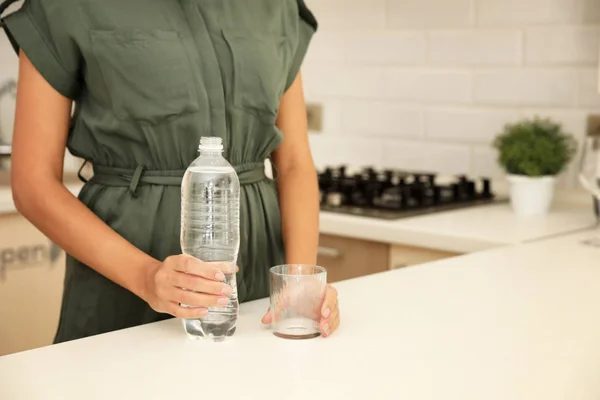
(394, 194)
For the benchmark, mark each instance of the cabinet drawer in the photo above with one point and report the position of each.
(404, 256)
(346, 258)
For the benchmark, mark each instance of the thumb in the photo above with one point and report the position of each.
(266, 319)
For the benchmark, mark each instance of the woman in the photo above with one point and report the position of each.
(148, 78)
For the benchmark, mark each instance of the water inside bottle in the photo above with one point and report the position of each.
(210, 232)
(220, 321)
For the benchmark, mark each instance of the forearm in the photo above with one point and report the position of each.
(70, 224)
(299, 202)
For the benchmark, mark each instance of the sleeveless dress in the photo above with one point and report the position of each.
(149, 78)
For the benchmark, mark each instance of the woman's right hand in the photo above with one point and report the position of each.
(203, 283)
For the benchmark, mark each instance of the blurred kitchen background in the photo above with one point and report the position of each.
(416, 85)
(426, 84)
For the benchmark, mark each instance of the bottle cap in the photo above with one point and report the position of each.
(210, 143)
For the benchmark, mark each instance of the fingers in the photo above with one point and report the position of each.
(193, 299)
(329, 302)
(198, 284)
(188, 313)
(330, 313)
(267, 319)
(192, 266)
(330, 324)
(185, 280)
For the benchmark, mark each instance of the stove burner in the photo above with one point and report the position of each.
(392, 194)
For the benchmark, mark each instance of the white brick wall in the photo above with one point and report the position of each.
(526, 87)
(350, 15)
(427, 84)
(467, 125)
(428, 14)
(371, 48)
(381, 119)
(572, 45)
(423, 156)
(525, 12)
(472, 47)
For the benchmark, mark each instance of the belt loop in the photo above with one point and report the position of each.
(81, 178)
(135, 179)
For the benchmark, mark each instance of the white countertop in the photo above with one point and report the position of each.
(519, 322)
(462, 231)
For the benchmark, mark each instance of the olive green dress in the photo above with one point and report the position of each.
(149, 78)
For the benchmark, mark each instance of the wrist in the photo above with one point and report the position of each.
(144, 287)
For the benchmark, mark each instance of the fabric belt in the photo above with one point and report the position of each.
(132, 178)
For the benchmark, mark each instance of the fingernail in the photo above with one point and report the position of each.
(203, 313)
(220, 276)
(326, 329)
(326, 313)
(223, 301)
(227, 290)
(224, 267)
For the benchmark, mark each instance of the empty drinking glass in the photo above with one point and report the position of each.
(297, 293)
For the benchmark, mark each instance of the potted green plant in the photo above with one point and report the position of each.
(533, 152)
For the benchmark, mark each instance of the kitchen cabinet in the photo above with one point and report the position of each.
(31, 284)
(405, 256)
(347, 258)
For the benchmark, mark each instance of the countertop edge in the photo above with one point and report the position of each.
(395, 234)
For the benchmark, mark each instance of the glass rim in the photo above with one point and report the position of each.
(318, 269)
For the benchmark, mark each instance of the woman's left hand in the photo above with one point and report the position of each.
(330, 313)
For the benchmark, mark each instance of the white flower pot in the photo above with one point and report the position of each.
(531, 195)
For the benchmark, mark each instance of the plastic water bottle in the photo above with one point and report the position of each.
(210, 229)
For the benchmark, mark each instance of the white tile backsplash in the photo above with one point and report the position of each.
(428, 14)
(588, 88)
(332, 119)
(475, 47)
(570, 45)
(467, 67)
(370, 48)
(323, 80)
(525, 12)
(469, 125)
(343, 149)
(428, 86)
(590, 11)
(371, 119)
(426, 156)
(349, 15)
(527, 87)
(484, 162)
